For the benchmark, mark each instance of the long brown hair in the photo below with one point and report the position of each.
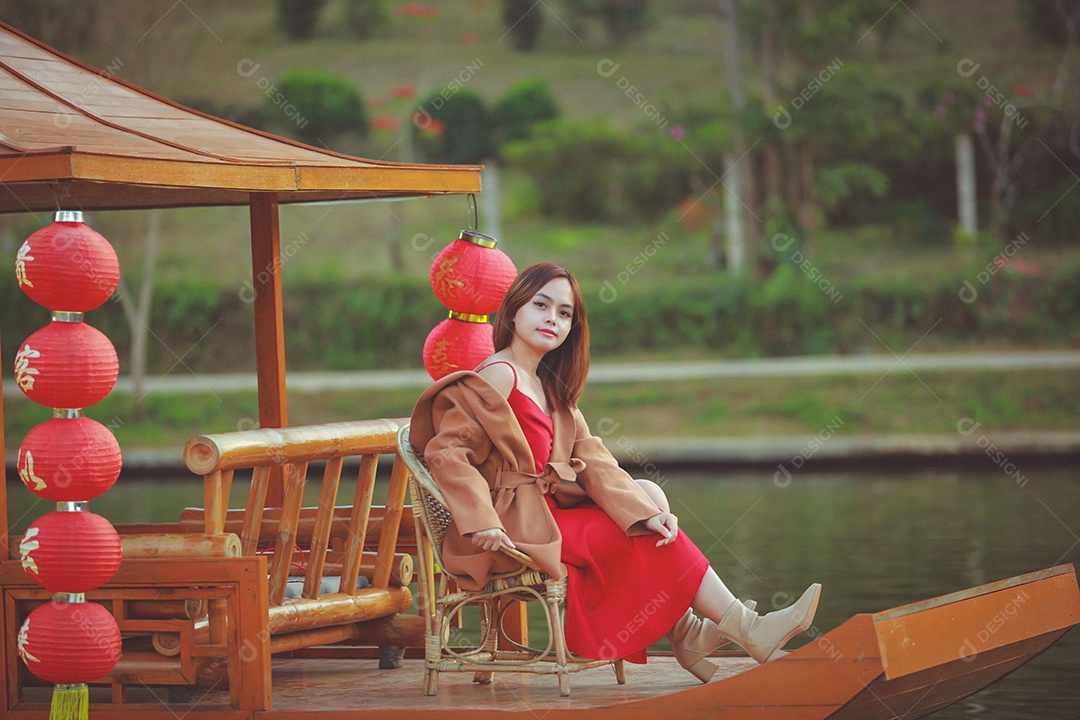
(562, 370)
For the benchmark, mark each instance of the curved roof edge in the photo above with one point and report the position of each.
(122, 147)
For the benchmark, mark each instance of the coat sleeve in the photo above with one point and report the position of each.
(459, 446)
(607, 484)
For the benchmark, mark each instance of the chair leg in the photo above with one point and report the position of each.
(561, 653)
(620, 671)
(433, 653)
(490, 631)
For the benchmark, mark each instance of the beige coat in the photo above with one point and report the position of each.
(481, 461)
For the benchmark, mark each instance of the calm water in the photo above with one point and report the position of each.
(874, 542)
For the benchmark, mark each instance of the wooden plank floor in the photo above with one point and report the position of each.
(309, 686)
(357, 688)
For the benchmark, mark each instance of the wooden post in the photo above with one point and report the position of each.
(3, 486)
(269, 325)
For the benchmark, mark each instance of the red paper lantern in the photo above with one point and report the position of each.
(68, 643)
(471, 275)
(457, 345)
(67, 265)
(70, 552)
(66, 365)
(69, 459)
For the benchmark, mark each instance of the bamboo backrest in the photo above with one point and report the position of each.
(288, 451)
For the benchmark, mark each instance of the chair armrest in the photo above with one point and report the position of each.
(519, 556)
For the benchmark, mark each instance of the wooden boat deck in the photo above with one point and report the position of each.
(906, 662)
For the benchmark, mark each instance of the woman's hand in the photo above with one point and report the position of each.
(491, 539)
(664, 524)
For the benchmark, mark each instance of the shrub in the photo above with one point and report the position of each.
(528, 102)
(298, 18)
(324, 105)
(574, 164)
(455, 129)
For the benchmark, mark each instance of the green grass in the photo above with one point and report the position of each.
(900, 403)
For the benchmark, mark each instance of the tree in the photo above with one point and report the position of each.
(623, 19)
(1044, 19)
(786, 34)
(1024, 131)
(298, 18)
(523, 20)
(137, 312)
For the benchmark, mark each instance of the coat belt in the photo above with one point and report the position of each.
(508, 481)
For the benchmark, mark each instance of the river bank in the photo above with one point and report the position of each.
(646, 412)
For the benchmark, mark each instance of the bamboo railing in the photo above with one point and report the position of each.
(332, 536)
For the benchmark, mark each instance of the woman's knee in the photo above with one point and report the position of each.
(655, 493)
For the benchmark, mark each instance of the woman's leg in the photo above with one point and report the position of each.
(712, 598)
(655, 493)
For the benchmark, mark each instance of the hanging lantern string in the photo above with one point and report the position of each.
(475, 223)
(64, 198)
(56, 197)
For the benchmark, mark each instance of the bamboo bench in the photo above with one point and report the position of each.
(332, 537)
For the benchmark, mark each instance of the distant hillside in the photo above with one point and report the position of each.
(230, 52)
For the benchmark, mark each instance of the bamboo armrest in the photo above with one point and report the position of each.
(519, 556)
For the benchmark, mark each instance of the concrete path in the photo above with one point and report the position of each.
(180, 381)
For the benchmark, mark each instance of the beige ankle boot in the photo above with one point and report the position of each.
(693, 639)
(763, 635)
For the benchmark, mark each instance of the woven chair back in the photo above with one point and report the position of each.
(434, 513)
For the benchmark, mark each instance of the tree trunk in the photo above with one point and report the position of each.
(965, 184)
(738, 169)
(138, 313)
(735, 250)
(490, 210)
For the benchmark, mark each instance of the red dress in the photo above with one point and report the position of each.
(623, 593)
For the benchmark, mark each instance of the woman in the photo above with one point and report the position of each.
(515, 459)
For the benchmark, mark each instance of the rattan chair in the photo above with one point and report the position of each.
(528, 583)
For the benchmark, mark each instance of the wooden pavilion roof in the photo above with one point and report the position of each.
(71, 131)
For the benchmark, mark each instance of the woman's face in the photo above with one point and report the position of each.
(544, 322)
